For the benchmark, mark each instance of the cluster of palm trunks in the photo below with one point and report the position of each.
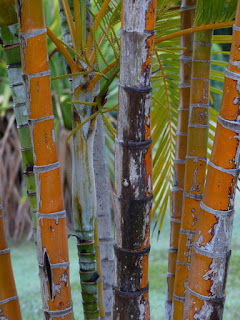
(202, 208)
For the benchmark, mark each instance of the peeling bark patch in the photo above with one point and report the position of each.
(189, 242)
(236, 63)
(53, 135)
(149, 188)
(238, 86)
(48, 272)
(211, 310)
(236, 101)
(204, 313)
(147, 111)
(193, 188)
(142, 309)
(199, 241)
(134, 176)
(147, 58)
(217, 275)
(231, 193)
(194, 219)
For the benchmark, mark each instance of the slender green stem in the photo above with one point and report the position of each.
(9, 36)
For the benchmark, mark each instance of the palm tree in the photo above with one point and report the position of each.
(196, 154)
(103, 216)
(196, 159)
(133, 182)
(85, 207)
(9, 36)
(212, 245)
(51, 217)
(187, 15)
(133, 162)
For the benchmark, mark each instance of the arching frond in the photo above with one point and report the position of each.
(166, 95)
(164, 123)
(214, 11)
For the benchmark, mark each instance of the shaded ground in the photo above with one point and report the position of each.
(26, 273)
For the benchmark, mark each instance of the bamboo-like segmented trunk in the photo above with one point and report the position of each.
(104, 216)
(212, 247)
(51, 217)
(195, 167)
(133, 162)
(9, 303)
(84, 196)
(9, 36)
(83, 181)
(187, 15)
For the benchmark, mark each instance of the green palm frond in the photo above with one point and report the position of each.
(165, 101)
(214, 11)
(166, 95)
(164, 124)
(168, 18)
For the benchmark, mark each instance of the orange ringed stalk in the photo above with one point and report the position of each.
(212, 246)
(51, 217)
(195, 167)
(187, 15)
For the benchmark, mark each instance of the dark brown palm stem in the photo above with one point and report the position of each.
(133, 162)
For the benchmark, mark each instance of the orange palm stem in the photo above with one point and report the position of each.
(212, 247)
(52, 240)
(9, 303)
(196, 160)
(187, 15)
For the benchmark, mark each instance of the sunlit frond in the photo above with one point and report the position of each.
(165, 81)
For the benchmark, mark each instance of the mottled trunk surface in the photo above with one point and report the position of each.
(196, 160)
(51, 217)
(83, 180)
(9, 303)
(104, 216)
(9, 36)
(84, 210)
(133, 162)
(187, 15)
(212, 247)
